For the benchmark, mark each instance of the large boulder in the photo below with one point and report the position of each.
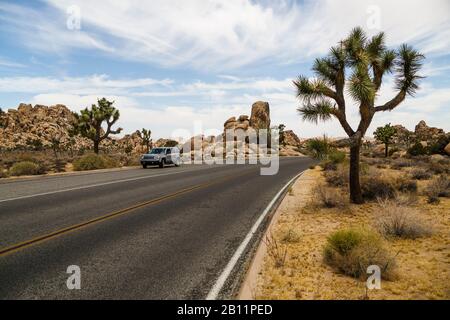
(447, 149)
(425, 133)
(260, 117)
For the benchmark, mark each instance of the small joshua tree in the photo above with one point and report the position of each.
(89, 122)
(145, 136)
(281, 128)
(385, 135)
(357, 67)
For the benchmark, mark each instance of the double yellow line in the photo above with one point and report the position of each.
(25, 244)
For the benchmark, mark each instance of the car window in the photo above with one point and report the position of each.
(157, 151)
(168, 151)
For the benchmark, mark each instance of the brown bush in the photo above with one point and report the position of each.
(400, 221)
(439, 187)
(375, 186)
(420, 174)
(338, 178)
(327, 197)
(405, 184)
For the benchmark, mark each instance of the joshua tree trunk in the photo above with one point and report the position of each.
(386, 150)
(96, 148)
(355, 186)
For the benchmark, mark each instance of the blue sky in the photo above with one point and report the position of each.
(180, 65)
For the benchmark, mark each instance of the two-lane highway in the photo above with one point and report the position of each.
(135, 234)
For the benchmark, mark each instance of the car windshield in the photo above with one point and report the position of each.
(157, 151)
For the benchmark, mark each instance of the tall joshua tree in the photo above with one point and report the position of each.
(89, 122)
(357, 66)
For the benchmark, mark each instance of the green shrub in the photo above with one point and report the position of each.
(417, 150)
(319, 148)
(336, 156)
(24, 168)
(93, 162)
(351, 251)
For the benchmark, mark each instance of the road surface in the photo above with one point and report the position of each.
(135, 234)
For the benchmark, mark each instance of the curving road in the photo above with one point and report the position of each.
(135, 234)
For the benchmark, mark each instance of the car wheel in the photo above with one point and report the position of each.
(161, 164)
(144, 166)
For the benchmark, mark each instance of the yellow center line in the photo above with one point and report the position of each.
(25, 244)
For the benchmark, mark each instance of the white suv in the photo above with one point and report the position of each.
(161, 157)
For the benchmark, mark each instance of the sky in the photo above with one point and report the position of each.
(174, 65)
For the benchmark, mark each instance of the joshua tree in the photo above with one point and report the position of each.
(145, 136)
(89, 122)
(359, 64)
(385, 135)
(281, 128)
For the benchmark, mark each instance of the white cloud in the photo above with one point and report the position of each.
(212, 108)
(79, 85)
(220, 35)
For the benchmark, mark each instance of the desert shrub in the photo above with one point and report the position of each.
(329, 197)
(290, 236)
(319, 148)
(439, 187)
(405, 184)
(439, 168)
(400, 221)
(93, 162)
(328, 165)
(400, 164)
(375, 186)
(420, 174)
(336, 156)
(3, 174)
(275, 251)
(338, 178)
(417, 150)
(351, 251)
(24, 168)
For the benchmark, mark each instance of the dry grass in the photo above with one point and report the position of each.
(420, 174)
(327, 197)
(397, 220)
(275, 250)
(439, 187)
(423, 265)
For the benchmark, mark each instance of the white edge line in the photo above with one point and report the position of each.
(215, 290)
(90, 186)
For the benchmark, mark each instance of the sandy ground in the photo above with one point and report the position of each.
(423, 264)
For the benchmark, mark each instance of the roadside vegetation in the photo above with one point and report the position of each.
(382, 201)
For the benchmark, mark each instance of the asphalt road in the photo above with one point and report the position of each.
(135, 234)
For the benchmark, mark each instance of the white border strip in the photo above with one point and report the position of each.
(214, 292)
